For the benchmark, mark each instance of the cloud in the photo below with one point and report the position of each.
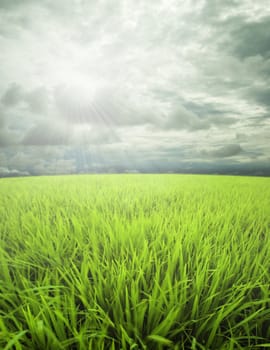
(6, 4)
(252, 39)
(5, 172)
(109, 84)
(55, 133)
(47, 134)
(2, 118)
(60, 166)
(181, 118)
(38, 100)
(12, 96)
(195, 117)
(259, 94)
(7, 137)
(224, 151)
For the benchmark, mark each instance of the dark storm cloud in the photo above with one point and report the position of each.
(208, 109)
(181, 118)
(7, 4)
(252, 39)
(261, 95)
(196, 117)
(5, 172)
(224, 151)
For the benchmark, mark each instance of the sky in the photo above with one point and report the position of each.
(134, 86)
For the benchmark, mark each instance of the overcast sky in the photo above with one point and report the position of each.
(114, 85)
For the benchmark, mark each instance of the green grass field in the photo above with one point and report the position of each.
(135, 262)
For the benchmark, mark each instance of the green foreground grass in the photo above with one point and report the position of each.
(135, 262)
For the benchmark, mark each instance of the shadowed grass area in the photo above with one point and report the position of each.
(135, 262)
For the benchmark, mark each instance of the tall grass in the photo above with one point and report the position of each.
(135, 262)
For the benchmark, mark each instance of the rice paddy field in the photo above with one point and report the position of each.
(135, 262)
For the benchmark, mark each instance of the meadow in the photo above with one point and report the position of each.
(135, 262)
